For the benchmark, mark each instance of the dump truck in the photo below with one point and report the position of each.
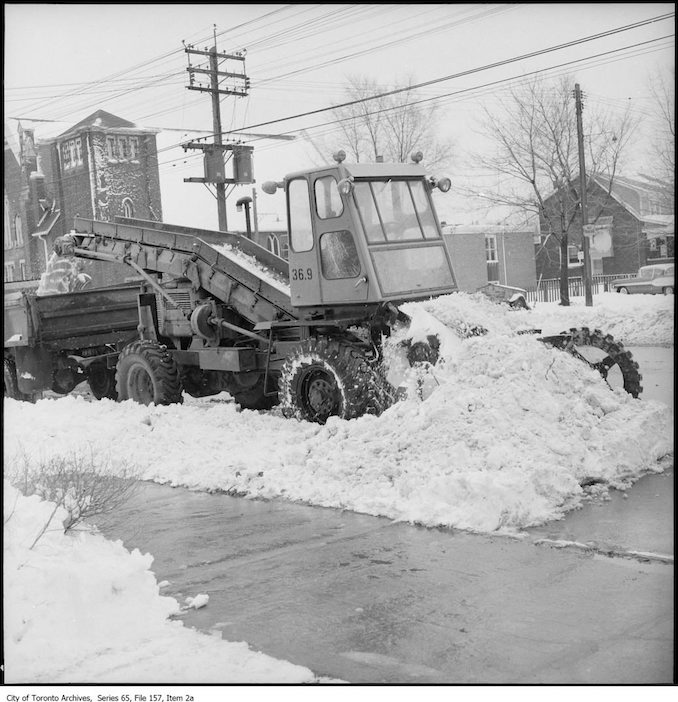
(217, 312)
(55, 342)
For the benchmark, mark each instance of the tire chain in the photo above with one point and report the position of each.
(350, 366)
(582, 336)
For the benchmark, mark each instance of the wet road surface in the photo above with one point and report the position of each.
(366, 600)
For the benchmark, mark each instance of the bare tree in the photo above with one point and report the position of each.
(663, 167)
(388, 126)
(534, 138)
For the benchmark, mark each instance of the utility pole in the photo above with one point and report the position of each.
(214, 153)
(586, 228)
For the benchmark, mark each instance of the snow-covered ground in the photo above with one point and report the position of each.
(507, 434)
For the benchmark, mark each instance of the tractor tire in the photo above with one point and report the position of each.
(615, 354)
(101, 380)
(325, 378)
(249, 392)
(147, 374)
(10, 383)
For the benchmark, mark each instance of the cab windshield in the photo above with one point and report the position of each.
(395, 210)
(403, 238)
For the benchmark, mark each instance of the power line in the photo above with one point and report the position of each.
(468, 72)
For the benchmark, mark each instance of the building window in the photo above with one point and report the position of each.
(71, 154)
(8, 226)
(273, 244)
(491, 258)
(9, 272)
(18, 231)
(22, 270)
(122, 148)
(111, 150)
(127, 208)
(575, 257)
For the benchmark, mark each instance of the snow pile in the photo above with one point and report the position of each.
(83, 609)
(510, 432)
(251, 264)
(635, 320)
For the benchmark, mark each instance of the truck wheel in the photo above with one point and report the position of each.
(610, 354)
(623, 291)
(248, 390)
(101, 381)
(9, 381)
(668, 290)
(324, 378)
(147, 373)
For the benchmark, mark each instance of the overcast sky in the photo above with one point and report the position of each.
(63, 62)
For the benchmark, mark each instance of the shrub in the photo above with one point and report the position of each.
(81, 483)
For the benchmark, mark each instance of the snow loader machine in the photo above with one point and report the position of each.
(307, 333)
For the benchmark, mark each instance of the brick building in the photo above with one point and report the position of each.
(101, 167)
(487, 253)
(633, 226)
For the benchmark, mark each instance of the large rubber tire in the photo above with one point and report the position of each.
(324, 378)
(101, 380)
(248, 390)
(147, 374)
(615, 355)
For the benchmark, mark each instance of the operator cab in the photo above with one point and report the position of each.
(364, 233)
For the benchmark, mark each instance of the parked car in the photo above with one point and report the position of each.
(655, 279)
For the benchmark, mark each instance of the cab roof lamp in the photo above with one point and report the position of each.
(339, 156)
(417, 156)
(270, 187)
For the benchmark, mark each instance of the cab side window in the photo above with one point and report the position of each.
(299, 207)
(338, 255)
(328, 202)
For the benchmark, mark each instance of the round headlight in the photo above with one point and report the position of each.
(345, 186)
(269, 187)
(444, 184)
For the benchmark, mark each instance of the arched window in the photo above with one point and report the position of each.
(18, 231)
(274, 244)
(127, 208)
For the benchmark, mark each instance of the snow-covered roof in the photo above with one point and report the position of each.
(485, 229)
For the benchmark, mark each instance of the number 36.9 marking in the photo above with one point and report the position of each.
(302, 274)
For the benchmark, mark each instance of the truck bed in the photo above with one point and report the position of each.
(76, 320)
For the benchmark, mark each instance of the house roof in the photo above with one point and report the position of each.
(617, 192)
(486, 229)
(102, 119)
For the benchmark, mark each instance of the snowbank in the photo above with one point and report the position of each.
(635, 320)
(510, 432)
(83, 609)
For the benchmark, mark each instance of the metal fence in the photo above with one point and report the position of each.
(549, 290)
